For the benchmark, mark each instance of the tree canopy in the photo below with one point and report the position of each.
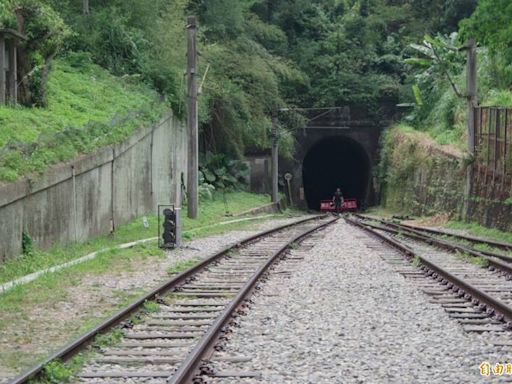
(261, 55)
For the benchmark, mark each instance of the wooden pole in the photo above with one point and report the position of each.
(193, 142)
(471, 77)
(13, 75)
(275, 161)
(2, 70)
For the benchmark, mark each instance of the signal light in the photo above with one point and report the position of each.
(169, 229)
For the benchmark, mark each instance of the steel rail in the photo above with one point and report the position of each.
(189, 367)
(82, 341)
(472, 239)
(492, 258)
(499, 308)
(447, 244)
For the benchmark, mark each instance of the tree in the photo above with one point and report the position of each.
(46, 32)
(490, 26)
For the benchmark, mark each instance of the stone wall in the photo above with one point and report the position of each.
(421, 177)
(424, 178)
(93, 194)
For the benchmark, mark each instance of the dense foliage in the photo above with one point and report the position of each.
(218, 172)
(491, 26)
(260, 56)
(87, 108)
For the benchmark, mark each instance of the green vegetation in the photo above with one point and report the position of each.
(182, 265)
(480, 231)
(438, 75)
(53, 289)
(57, 372)
(87, 108)
(256, 57)
(217, 172)
(211, 212)
(480, 261)
(151, 306)
(416, 261)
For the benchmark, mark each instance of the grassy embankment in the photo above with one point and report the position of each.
(446, 120)
(88, 108)
(476, 229)
(422, 168)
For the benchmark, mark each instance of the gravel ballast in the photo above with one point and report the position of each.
(345, 316)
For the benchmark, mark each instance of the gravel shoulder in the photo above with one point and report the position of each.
(345, 316)
(27, 337)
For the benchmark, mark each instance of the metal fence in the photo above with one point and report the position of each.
(493, 152)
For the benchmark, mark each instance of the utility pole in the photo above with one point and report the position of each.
(85, 7)
(471, 94)
(192, 124)
(275, 159)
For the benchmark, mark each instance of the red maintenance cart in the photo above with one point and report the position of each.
(349, 205)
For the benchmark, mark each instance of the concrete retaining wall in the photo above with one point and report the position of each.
(93, 194)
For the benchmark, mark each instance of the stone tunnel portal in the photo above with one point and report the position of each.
(335, 162)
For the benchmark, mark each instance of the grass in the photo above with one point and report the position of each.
(480, 231)
(108, 339)
(211, 211)
(151, 306)
(480, 261)
(49, 286)
(416, 261)
(52, 289)
(182, 265)
(57, 372)
(496, 97)
(88, 108)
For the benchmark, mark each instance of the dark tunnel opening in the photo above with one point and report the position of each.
(335, 162)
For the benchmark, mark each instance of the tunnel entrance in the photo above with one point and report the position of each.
(335, 162)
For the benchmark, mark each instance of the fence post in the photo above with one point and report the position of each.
(471, 76)
(3, 79)
(112, 192)
(75, 207)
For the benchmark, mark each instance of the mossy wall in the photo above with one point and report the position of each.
(420, 177)
(93, 194)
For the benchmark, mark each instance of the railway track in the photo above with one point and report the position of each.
(494, 252)
(187, 316)
(473, 287)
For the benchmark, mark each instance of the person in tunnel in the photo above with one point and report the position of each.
(332, 162)
(337, 200)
